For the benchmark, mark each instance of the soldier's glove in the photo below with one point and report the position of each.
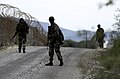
(61, 42)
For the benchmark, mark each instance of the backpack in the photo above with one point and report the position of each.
(61, 37)
(22, 28)
(100, 33)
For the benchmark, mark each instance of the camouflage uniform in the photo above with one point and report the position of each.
(54, 43)
(100, 36)
(22, 31)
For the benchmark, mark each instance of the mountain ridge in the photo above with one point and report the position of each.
(70, 34)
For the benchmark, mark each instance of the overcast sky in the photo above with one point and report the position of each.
(70, 14)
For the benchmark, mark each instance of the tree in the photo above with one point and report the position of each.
(108, 3)
(83, 33)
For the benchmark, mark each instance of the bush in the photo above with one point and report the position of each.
(110, 60)
(69, 43)
(81, 44)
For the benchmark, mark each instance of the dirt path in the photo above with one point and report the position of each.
(31, 65)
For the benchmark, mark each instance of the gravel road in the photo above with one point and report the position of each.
(31, 65)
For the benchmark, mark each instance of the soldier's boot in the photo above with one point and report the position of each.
(24, 50)
(19, 50)
(49, 64)
(24, 47)
(61, 63)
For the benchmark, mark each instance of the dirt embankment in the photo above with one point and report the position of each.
(89, 64)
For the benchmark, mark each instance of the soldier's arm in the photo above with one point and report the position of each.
(48, 34)
(103, 30)
(27, 28)
(96, 35)
(57, 30)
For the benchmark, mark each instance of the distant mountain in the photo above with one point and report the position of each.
(45, 25)
(73, 35)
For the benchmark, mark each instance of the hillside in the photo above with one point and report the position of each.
(7, 30)
(9, 21)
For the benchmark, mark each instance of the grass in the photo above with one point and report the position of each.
(110, 60)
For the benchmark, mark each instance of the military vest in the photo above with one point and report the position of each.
(52, 34)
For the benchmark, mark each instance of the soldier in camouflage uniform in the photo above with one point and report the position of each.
(54, 42)
(100, 36)
(22, 30)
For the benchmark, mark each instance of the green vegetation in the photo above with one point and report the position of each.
(110, 59)
(81, 44)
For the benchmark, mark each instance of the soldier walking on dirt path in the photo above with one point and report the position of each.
(22, 30)
(100, 36)
(55, 39)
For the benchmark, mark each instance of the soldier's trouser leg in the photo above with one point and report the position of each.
(24, 46)
(100, 43)
(57, 50)
(20, 44)
(51, 52)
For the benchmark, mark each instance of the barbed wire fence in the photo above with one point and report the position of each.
(9, 16)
